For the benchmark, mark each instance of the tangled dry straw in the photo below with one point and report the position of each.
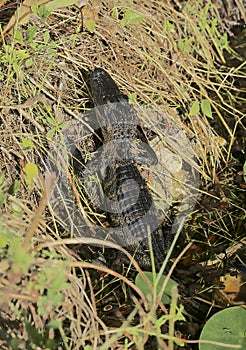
(170, 58)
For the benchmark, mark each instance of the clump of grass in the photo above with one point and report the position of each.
(170, 57)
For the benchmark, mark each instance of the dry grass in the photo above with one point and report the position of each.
(171, 58)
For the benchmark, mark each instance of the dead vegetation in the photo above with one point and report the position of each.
(172, 56)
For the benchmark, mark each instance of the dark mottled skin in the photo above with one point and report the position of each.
(132, 201)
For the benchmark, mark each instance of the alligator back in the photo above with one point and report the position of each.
(130, 204)
(133, 210)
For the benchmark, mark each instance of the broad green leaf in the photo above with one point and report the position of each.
(206, 108)
(6, 235)
(18, 37)
(20, 55)
(90, 25)
(131, 17)
(35, 9)
(87, 347)
(132, 97)
(15, 56)
(51, 133)
(16, 209)
(29, 62)
(27, 145)
(43, 301)
(141, 284)
(42, 11)
(181, 44)
(225, 327)
(30, 33)
(168, 26)
(224, 42)
(14, 188)
(55, 324)
(31, 173)
(185, 44)
(51, 121)
(46, 37)
(3, 241)
(20, 258)
(195, 108)
(56, 4)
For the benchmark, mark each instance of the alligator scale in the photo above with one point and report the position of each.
(125, 195)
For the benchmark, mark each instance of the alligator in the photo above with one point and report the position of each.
(126, 197)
